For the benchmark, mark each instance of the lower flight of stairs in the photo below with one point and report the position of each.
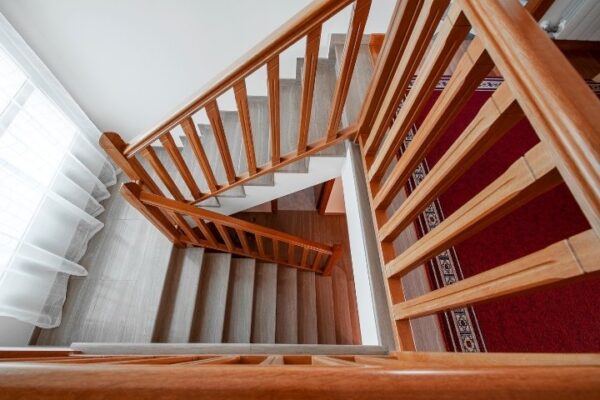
(216, 298)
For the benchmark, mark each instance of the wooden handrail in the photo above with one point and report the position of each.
(168, 216)
(296, 28)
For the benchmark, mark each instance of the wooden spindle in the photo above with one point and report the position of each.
(274, 108)
(243, 240)
(428, 19)
(528, 177)
(333, 259)
(205, 229)
(214, 116)
(260, 245)
(311, 59)
(225, 236)
(451, 35)
(291, 253)
(192, 135)
(169, 145)
(358, 20)
(149, 154)
(241, 98)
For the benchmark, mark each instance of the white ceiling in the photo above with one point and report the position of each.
(130, 64)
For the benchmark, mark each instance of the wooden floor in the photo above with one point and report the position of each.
(322, 228)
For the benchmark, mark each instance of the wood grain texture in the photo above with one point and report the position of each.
(525, 179)
(241, 98)
(550, 265)
(176, 314)
(420, 36)
(307, 308)
(265, 303)
(308, 84)
(543, 83)
(450, 36)
(169, 144)
(209, 315)
(287, 306)
(192, 135)
(150, 155)
(274, 108)
(212, 111)
(238, 316)
(358, 20)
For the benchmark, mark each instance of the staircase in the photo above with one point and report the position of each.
(306, 172)
(218, 298)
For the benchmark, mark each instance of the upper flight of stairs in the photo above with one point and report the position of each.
(304, 173)
(217, 298)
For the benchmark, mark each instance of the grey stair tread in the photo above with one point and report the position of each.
(233, 132)
(224, 348)
(265, 303)
(307, 308)
(176, 315)
(359, 85)
(287, 306)
(238, 317)
(321, 106)
(209, 315)
(325, 310)
(341, 304)
(289, 99)
(214, 159)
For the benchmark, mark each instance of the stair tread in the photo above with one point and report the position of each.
(307, 308)
(289, 99)
(209, 315)
(341, 303)
(238, 317)
(265, 303)
(359, 85)
(259, 121)
(287, 306)
(177, 308)
(325, 310)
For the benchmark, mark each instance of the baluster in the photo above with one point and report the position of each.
(169, 145)
(212, 110)
(192, 135)
(149, 154)
(308, 85)
(274, 112)
(241, 98)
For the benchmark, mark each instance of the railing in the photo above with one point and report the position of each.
(306, 24)
(65, 374)
(541, 86)
(187, 225)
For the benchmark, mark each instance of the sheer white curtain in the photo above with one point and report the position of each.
(52, 178)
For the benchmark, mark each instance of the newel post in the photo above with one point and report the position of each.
(333, 259)
(114, 146)
(131, 192)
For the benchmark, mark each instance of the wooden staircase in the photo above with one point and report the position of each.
(218, 298)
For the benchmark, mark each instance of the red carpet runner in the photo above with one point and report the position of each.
(554, 319)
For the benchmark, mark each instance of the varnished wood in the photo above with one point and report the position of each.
(225, 236)
(132, 192)
(260, 246)
(212, 111)
(554, 263)
(289, 158)
(450, 36)
(308, 85)
(185, 227)
(396, 39)
(333, 259)
(150, 155)
(114, 146)
(169, 145)
(528, 177)
(428, 19)
(563, 111)
(496, 116)
(293, 30)
(474, 65)
(192, 135)
(241, 98)
(206, 232)
(274, 108)
(358, 20)
(324, 196)
(243, 240)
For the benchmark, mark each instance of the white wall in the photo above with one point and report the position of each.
(131, 63)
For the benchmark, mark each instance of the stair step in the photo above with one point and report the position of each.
(341, 304)
(259, 120)
(307, 308)
(238, 317)
(361, 78)
(181, 287)
(209, 315)
(289, 99)
(287, 305)
(265, 303)
(325, 310)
